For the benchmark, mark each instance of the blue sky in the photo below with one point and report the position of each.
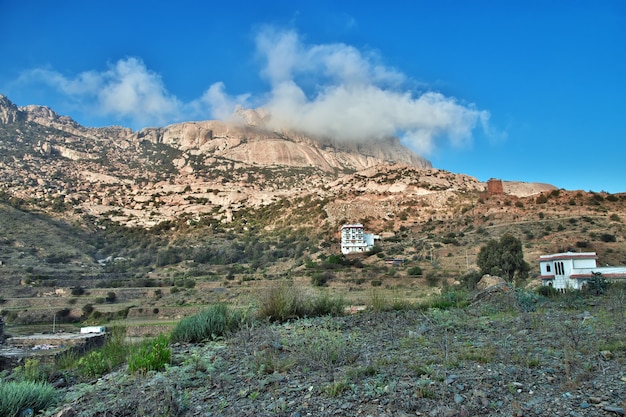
(519, 90)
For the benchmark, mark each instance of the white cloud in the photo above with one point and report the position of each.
(335, 90)
(126, 90)
(217, 103)
(330, 90)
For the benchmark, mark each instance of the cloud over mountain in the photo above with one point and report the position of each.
(331, 90)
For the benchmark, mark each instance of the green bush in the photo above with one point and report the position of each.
(150, 355)
(32, 371)
(607, 237)
(446, 300)
(284, 302)
(325, 305)
(415, 271)
(597, 284)
(78, 290)
(211, 323)
(432, 279)
(471, 279)
(320, 280)
(526, 300)
(103, 360)
(378, 301)
(547, 291)
(280, 303)
(334, 259)
(94, 364)
(16, 397)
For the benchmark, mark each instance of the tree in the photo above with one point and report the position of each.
(503, 258)
(111, 297)
(597, 284)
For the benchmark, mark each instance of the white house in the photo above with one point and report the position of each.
(571, 270)
(355, 240)
(93, 329)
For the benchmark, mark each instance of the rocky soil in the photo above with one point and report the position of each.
(504, 355)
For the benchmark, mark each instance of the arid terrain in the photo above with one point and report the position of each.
(106, 226)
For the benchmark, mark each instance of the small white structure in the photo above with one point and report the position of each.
(355, 240)
(571, 270)
(93, 329)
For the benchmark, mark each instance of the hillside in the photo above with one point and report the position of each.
(137, 230)
(174, 217)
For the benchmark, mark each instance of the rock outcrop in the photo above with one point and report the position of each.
(252, 144)
(214, 169)
(9, 113)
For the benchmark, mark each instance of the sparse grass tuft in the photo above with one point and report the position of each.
(284, 301)
(446, 300)
(268, 361)
(324, 305)
(378, 301)
(336, 388)
(281, 302)
(216, 321)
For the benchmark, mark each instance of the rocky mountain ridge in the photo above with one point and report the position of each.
(207, 168)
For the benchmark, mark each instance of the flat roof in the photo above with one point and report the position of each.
(568, 255)
(355, 225)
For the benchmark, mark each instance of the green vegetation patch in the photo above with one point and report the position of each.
(18, 397)
(216, 321)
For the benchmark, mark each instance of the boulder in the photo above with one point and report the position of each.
(489, 281)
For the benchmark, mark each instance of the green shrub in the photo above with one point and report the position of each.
(334, 259)
(597, 284)
(211, 323)
(31, 371)
(78, 290)
(526, 300)
(16, 397)
(547, 291)
(103, 360)
(320, 280)
(446, 300)
(94, 364)
(280, 303)
(432, 279)
(471, 279)
(414, 271)
(607, 237)
(111, 297)
(284, 302)
(377, 301)
(325, 305)
(150, 355)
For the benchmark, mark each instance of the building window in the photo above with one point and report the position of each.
(547, 268)
(559, 268)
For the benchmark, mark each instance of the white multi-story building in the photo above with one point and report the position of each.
(571, 270)
(355, 240)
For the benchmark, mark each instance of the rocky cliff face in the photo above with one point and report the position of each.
(213, 169)
(9, 113)
(256, 145)
(245, 140)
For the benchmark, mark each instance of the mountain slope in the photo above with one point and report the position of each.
(231, 206)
